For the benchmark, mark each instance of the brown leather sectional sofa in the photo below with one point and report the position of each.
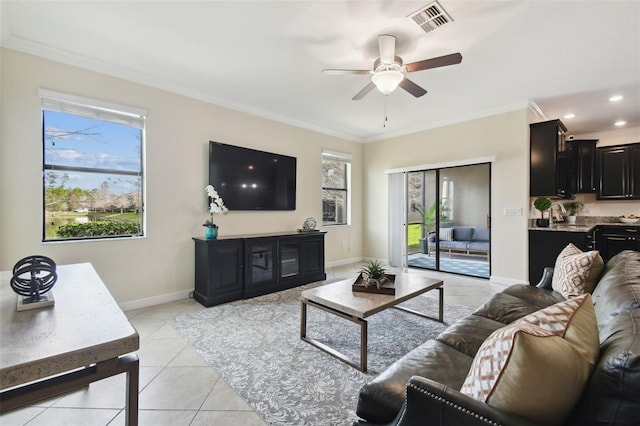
(422, 388)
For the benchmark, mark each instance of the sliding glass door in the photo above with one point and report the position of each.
(448, 226)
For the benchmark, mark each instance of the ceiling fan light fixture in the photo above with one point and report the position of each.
(387, 81)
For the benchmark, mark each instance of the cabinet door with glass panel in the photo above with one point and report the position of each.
(260, 273)
(289, 250)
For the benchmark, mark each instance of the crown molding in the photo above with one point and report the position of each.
(453, 120)
(105, 68)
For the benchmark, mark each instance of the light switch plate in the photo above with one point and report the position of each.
(513, 211)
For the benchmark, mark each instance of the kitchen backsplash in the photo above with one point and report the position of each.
(595, 208)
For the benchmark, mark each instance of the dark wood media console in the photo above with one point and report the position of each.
(239, 267)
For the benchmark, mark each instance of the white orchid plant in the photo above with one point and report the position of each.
(215, 207)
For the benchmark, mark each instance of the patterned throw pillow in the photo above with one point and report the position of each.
(529, 371)
(574, 320)
(539, 350)
(576, 272)
(446, 234)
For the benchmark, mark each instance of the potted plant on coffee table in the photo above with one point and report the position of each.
(373, 278)
(542, 204)
(573, 208)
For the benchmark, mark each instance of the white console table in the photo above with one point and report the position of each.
(83, 338)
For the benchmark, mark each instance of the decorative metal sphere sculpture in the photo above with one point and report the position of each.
(309, 224)
(33, 276)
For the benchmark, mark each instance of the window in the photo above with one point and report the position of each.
(336, 184)
(92, 169)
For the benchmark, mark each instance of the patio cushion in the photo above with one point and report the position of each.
(446, 234)
(462, 233)
(458, 245)
(480, 234)
(478, 246)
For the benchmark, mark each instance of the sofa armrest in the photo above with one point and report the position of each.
(547, 278)
(432, 403)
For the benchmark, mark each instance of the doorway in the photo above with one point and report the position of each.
(448, 220)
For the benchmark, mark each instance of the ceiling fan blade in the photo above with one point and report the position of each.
(412, 88)
(440, 61)
(387, 44)
(361, 94)
(342, 72)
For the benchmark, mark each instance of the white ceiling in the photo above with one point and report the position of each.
(265, 57)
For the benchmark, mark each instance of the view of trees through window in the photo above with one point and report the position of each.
(92, 177)
(335, 184)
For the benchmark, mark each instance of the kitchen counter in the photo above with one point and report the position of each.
(565, 228)
(606, 234)
(585, 224)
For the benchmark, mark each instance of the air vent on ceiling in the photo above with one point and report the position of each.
(431, 17)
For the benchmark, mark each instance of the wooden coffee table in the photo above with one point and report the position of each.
(338, 298)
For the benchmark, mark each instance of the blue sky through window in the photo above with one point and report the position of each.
(72, 140)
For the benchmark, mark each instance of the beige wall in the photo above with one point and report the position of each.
(471, 189)
(177, 135)
(505, 136)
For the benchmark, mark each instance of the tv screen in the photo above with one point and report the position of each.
(248, 179)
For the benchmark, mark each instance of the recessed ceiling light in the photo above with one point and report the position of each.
(616, 98)
(620, 123)
(569, 116)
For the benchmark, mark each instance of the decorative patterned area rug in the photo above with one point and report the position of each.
(473, 267)
(255, 346)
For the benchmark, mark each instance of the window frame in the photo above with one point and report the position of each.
(101, 111)
(346, 160)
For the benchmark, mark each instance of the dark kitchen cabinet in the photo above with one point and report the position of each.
(582, 165)
(611, 240)
(546, 245)
(549, 158)
(619, 172)
(246, 266)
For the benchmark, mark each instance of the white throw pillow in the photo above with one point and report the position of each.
(576, 272)
(446, 234)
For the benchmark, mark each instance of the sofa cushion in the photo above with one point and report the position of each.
(480, 234)
(462, 233)
(529, 371)
(576, 272)
(619, 288)
(381, 399)
(572, 319)
(446, 234)
(468, 333)
(612, 396)
(533, 295)
(505, 308)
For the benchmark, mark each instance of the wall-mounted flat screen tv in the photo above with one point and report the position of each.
(248, 179)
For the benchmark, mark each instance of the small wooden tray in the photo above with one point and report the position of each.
(387, 287)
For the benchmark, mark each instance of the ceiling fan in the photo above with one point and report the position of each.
(389, 72)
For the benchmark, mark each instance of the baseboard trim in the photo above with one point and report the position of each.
(506, 281)
(343, 262)
(154, 300)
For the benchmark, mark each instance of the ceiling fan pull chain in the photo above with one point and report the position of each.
(386, 115)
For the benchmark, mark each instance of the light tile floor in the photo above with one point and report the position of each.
(177, 387)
